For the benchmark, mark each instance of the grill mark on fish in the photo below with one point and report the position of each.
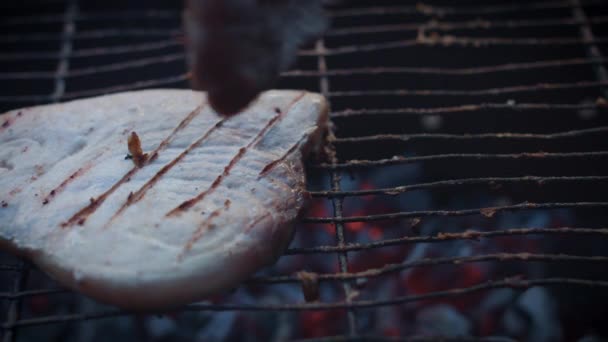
(81, 171)
(256, 221)
(184, 206)
(81, 216)
(57, 190)
(275, 162)
(185, 122)
(139, 194)
(202, 228)
(9, 121)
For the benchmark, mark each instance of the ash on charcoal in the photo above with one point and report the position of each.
(591, 338)
(160, 327)
(219, 327)
(442, 320)
(534, 317)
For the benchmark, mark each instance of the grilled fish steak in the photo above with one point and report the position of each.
(214, 199)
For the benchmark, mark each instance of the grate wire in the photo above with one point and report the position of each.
(337, 203)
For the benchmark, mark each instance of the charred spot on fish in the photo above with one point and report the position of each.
(185, 205)
(277, 110)
(6, 165)
(128, 157)
(45, 202)
(227, 204)
(4, 204)
(19, 113)
(6, 124)
(81, 221)
(92, 200)
(52, 193)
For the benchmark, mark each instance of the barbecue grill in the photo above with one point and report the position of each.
(463, 195)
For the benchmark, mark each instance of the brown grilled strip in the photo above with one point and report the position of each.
(9, 121)
(179, 127)
(198, 233)
(81, 216)
(256, 221)
(275, 162)
(139, 194)
(81, 171)
(191, 202)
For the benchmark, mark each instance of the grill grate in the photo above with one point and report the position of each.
(479, 95)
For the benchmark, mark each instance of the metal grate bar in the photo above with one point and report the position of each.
(433, 41)
(468, 136)
(32, 293)
(315, 73)
(93, 52)
(99, 91)
(474, 107)
(449, 40)
(93, 16)
(14, 308)
(489, 181)
(69, 28)
(513, 283)
(428, 262)
(442, 237)
(488, 212)
(71, 11)
(592, 50)
(378, 338)
(482, 24)
(95, 34)
(420, 9)
(382, 271)
(9, 267)
(126, 87)
(182, 77)
(477, 24)
(138, 63)
(172, 79)
(337, 202)
(441, 11)
(391, 268)
(396, 160)
(449, 71)
(475, 92)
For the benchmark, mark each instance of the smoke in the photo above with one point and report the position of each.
(237, 48)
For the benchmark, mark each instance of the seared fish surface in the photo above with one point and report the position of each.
(211, 199)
